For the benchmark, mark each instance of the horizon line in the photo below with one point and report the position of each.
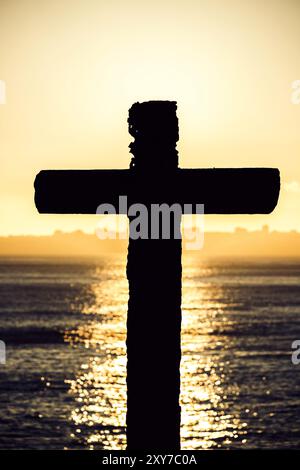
(238, 229)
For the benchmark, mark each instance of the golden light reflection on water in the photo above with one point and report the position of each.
(99, 388)
(206, 418)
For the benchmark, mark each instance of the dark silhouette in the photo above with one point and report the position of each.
(154, 265)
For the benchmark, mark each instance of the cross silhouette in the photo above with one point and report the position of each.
(154, 265)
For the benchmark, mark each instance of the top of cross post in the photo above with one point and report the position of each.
(154, 126)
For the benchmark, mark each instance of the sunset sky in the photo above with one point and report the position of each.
(73, 68)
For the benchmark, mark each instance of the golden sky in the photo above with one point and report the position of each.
(72, 69)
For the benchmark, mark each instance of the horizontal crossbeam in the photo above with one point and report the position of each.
(222, 191)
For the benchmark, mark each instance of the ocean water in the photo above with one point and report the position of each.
(64, 325)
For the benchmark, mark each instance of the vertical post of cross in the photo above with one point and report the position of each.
(154, 276)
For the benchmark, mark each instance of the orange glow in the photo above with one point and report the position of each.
(72, 70)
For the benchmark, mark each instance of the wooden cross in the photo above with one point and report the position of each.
(154, 265)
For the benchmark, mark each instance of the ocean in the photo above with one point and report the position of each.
(64, 325)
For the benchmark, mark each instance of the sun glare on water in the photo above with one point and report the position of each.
(99, 387)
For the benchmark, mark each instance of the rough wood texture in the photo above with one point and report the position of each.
(154, 276)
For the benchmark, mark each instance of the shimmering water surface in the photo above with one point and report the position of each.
(64, 324)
